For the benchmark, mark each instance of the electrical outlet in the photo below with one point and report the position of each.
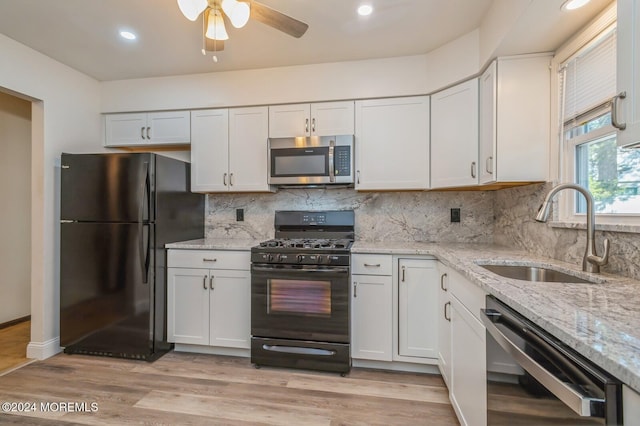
(455, 215)
(239, 215)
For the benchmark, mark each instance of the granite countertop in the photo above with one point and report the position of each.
(215, 244)
(600, 321)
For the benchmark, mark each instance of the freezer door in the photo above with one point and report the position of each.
(107, 187)
(106, 288)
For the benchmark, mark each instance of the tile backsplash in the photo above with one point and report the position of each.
(505, 217)
(515, 226)
(392, 216)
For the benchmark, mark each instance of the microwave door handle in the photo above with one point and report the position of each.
(579, 403)
(332, 166)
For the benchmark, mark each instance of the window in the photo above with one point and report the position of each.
(591, 156)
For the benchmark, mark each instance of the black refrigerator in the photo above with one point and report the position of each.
(117, 211)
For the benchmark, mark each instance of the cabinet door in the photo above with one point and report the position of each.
(188, 306)
(628, 69)
(248, 134)
(392, 143)
(418, 308)
(332, 118)
(210, 150)
(487, 112)
(230, 309)
(468, 390)
(454, 136)
(444, 325)
(169, 127)
(125, 129)
(287, 121)
(371, 317)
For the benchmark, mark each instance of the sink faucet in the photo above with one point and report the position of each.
(591, 262)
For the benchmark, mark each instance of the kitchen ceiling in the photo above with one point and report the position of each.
(84, 34)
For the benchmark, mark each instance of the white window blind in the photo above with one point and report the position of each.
(590, 77)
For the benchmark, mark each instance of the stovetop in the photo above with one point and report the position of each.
(306, 244)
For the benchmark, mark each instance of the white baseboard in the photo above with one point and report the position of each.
(396, 366)
(212, 350)
(44, 350)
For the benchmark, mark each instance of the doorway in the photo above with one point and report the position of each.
(15, 227)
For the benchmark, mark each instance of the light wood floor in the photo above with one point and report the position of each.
(190, 389)
(13, 345)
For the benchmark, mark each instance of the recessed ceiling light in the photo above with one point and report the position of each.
(365, 10)
(128, 35)
(574, 4)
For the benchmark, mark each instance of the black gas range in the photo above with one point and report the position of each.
(300, 292)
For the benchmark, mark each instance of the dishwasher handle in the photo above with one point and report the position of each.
(583, 405)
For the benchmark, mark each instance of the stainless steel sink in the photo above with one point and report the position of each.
(534, 273)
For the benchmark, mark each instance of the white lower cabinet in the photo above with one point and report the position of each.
(444, 325)
(468, 381)
(417, 308)
(371, 308)
(209, 305)
(394, 309)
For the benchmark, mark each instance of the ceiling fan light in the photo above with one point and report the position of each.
(216, 29)
(237, 11)
(191, 9)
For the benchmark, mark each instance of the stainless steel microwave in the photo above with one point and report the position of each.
(315, 160)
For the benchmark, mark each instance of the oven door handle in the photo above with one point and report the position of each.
(571, 396)
(332, 270)
(298, 350)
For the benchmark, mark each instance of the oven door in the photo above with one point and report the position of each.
(300, 302)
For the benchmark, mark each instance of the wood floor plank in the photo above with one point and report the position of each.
(196, 389)
(13, 345)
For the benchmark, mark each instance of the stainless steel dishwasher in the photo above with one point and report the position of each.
(557, 387)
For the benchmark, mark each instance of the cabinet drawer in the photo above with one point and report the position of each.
(209, 259)
(471, 296)
(371, 264)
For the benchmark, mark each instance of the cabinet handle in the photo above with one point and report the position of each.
(473, 169)
(231, 179)
(489, 165)
(148, 132)
(204, 282)
(211, 283)
(306, 125)
(142, 132)
(355, 290)
(614, 111)
(447, 317)
(403, 271)
(358, 177)
(442, 277)
(206, 259)
(373, 265)
(224, 179)
(313, 125)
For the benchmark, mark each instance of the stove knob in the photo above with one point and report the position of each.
(324, 260)
(269, 257)
(280, 258)
(299, 258)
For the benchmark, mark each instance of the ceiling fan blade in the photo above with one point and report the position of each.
(277, 20)
(213, 45)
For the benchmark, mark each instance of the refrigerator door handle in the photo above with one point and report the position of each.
(144, 254)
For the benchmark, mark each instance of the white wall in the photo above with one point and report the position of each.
(65, 117)
(15, 215)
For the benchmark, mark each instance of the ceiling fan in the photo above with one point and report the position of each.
(238, 12)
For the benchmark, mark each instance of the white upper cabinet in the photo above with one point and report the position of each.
(317, 119)
(392, 143)
(514, 119)
(248, 129)
(628, 70)
(454, 136)
(154, 128)
(229, 150)
(209, 150)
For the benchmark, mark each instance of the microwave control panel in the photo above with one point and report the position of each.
(342, 160)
